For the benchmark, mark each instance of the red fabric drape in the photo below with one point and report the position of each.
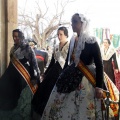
(117, 78)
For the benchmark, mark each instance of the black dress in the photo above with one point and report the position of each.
(15, 94)
(51, 74)
(109, 57)
(11, 86)
(108, 67)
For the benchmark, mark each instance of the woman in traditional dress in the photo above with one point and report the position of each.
(51, 74)
(75, 100)
(19, 82)
(109, 56)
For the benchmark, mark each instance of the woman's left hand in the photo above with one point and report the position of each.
(98, 93)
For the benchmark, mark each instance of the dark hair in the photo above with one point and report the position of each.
(108, 41)
(64, 29)
(77, 15)
(20, 33)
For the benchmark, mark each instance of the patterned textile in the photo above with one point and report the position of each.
(69, 79)
(24, 51)
(60, 55)
(114, 93)
(77, 105)
(41, 97)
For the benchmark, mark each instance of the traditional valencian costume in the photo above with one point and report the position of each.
(73, 97)
(18, 84)
(79, 104)
(108, 57)
(51, 74)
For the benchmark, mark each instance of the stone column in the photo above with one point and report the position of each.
(8, 22)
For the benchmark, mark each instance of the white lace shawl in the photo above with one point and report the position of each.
(60, 55)
(80, 47)
(83, 37)
(108, 54)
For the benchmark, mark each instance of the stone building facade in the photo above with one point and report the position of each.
(8, 22)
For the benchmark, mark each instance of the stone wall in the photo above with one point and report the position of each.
(8, 22)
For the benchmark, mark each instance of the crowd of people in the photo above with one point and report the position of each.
(71, 87)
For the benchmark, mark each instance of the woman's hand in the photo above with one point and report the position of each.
(42, 76)
(98, 93)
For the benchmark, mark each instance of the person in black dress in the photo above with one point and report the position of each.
(109, 56)
(51, 74)
(80, 102)
(19, 81)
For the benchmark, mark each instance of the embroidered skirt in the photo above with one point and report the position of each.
(77, 105)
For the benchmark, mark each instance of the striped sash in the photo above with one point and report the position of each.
(114, 94)
(83, 68)
(22, 70)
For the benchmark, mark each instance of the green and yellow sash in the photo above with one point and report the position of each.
(22, 70)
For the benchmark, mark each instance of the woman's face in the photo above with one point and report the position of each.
(61, 35)
(16, 38)
(105, 43)
(76, 24)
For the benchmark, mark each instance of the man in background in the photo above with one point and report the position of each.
(41, 56)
